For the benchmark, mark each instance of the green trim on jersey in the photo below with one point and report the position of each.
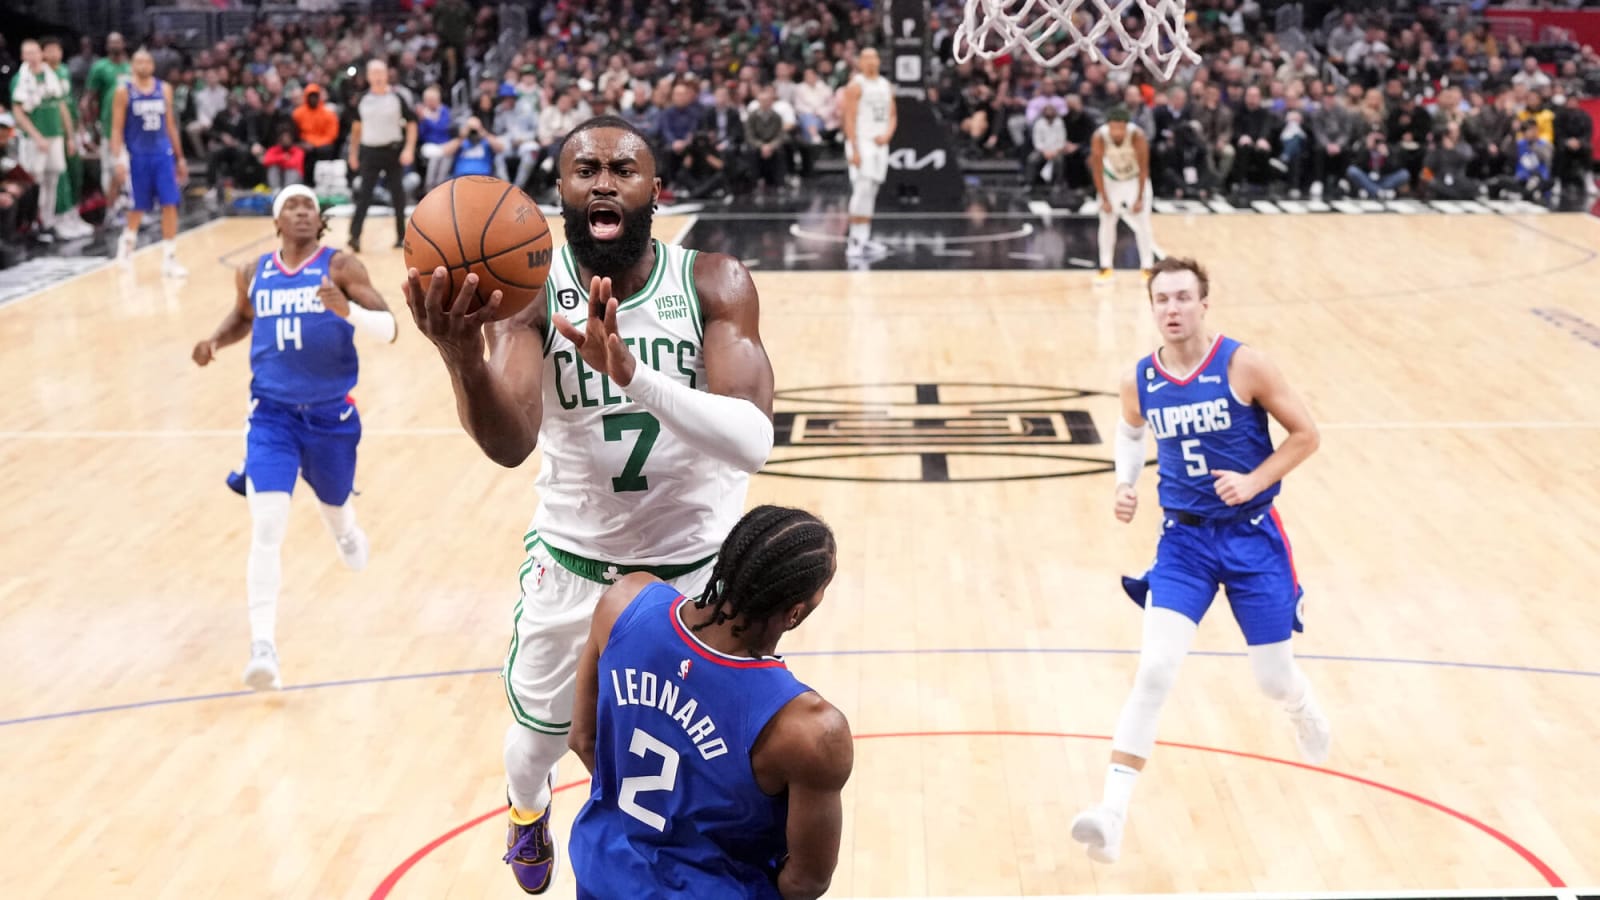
(693, 291)
(643, 294)
(601, 572)
(549, 317)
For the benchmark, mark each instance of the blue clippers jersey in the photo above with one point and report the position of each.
(299, 351)
(1200, 426)
(145, 128)
(675, 810)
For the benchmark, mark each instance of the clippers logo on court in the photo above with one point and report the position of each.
(567, 298)
(950, 432)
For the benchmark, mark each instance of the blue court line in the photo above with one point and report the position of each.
(947, 651)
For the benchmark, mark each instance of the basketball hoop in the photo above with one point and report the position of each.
(1051, 31)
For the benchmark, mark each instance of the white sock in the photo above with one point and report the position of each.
(341, 520)
(859, 231)
(529, 756)
(1120, 780)
(269, 520)
(169, 250)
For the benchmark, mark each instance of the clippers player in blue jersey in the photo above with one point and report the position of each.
(144, 123)
(301, 307)
(716, 773)
(1206, 398)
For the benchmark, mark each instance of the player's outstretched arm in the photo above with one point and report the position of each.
(812, 745)
(498, 399)
(348, 292)
(1257, 380)
(235, 325)
(585, 710)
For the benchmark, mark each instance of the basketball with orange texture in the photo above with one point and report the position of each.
(481, 225)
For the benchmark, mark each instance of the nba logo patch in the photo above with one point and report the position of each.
(538, 576)
(683, 669)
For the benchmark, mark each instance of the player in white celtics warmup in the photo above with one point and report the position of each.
(869, 121)
(641, 375)
(1119, 159)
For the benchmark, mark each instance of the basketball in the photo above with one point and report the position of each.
(481, 225)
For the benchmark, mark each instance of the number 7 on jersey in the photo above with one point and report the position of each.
(649, 429)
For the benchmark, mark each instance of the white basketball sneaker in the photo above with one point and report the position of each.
(261, 673)
(354, 550)
(1312, 733)
(1099, 828)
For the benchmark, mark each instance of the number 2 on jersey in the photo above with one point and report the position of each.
(633, 786)
(1196, 461)
(649, 429)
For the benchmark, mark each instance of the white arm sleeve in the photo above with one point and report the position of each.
(1129, 452)
(730, 429)
(377, 322)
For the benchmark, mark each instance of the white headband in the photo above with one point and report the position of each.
(293, 190)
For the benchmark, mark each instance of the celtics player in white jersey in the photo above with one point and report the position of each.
(641, 375)
(1119, 159)
(869, 119)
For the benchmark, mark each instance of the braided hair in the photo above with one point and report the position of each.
(774, 558)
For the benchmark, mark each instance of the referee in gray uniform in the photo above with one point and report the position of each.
(383, 138)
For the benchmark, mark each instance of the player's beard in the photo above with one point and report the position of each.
(608, 259)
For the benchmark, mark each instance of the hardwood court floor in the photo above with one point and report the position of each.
(1446, 533)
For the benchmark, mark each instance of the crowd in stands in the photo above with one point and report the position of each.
(1424, 102)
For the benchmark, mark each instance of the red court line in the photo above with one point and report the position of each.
(1548, 874)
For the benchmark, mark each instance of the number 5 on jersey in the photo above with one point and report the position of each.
(1195, 460)
(664, 780)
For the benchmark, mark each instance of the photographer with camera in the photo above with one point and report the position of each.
(474, 152)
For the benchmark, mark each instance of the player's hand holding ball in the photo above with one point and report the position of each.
(1127, 502)
(1233, 487)
(598, 343)
(333, 299)
(456, 332)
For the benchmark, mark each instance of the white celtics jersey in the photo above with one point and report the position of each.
(616, 486)
(1120, 161)
(872, 110)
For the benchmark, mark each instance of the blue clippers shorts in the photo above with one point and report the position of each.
(153, 181)
(284, 442)
(1249, 556)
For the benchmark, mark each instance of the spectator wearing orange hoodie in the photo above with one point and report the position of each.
(318, 126)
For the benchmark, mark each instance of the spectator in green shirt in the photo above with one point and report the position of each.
(68, 190)
(104, 78)
(38, 101)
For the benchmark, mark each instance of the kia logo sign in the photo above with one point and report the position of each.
(907, 159)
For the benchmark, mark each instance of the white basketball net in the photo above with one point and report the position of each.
(1050, 31)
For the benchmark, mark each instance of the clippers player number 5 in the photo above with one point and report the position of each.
(1207, 399)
